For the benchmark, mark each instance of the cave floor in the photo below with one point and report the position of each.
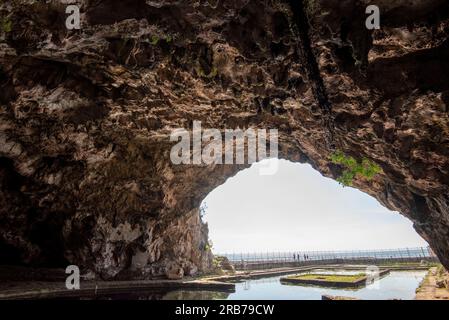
(55, 288)
(429, 290)
(32, 289)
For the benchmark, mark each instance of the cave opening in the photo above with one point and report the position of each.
(297, 209)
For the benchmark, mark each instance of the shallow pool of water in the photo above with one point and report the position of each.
(396, 285)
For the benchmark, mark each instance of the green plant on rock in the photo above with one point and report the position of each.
(365, 168)
(209, 245)
(154, 40)
(213, 73)
(5, 24)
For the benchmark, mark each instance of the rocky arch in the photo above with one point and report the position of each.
(85, 175)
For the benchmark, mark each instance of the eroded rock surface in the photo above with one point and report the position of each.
(85, 118)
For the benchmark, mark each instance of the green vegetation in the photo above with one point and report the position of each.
(202, 73)
(217, 261)
(5, 24)
(154, 39)
(330, 277)
(441, 271)
(366, 168)
(418, 265)
(209, 245)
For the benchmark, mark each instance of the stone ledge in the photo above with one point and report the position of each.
(50, 290)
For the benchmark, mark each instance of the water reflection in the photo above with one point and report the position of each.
(396, 285)
(163, 295)
(196, 295)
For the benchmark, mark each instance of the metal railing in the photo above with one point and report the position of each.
(266, 260)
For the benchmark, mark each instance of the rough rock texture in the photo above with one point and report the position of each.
(85, 117)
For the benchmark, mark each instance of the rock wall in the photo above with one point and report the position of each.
(86, 116)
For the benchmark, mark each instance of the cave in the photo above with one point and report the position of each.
(86, 117)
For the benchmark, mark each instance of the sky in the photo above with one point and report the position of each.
(298, 209)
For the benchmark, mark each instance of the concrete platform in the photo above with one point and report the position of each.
(359, 282)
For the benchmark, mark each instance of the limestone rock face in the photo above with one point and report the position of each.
(86, 117)
(222, 264)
